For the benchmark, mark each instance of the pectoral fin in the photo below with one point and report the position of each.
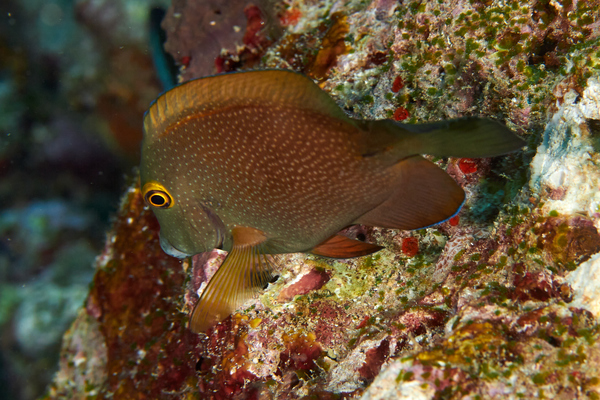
(339, 246)
(245, 270)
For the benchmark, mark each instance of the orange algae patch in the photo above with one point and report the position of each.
(364, 322)
(253, 26)
(332, 45)
(301, 352)
(255, 323)
(454, 220)
(410, 246)
(467, 165)
(185, 61)
(400, 114)
(290, 17)
(398, 84)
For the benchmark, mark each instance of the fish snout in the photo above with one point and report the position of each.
(170, 249)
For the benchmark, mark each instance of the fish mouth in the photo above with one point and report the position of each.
(170, 249)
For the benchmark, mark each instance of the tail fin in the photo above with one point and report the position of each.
(465, 137)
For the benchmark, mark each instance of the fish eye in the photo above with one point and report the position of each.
(157, 195)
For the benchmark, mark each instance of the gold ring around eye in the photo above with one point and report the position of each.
(157, 195)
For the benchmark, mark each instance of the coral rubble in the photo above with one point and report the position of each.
(499, 302)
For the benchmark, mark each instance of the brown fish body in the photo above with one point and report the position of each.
(265, 162)
(271, 168)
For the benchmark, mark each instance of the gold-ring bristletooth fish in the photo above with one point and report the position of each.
(265, 162)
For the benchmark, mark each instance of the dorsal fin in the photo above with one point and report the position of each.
(251, 88)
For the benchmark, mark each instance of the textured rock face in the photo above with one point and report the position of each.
(500, 302)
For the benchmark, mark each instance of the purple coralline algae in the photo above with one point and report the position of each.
(502, 302)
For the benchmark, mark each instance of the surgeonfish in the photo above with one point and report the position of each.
(265, 162)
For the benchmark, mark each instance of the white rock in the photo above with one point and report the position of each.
(385, 387)
(566, 161)
(585, 281)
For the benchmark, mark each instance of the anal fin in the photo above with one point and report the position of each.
(339, 246)
(245, 270)
(424, 195)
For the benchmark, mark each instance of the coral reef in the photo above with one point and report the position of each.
(498, 302)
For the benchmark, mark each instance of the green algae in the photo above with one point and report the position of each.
(526, 66)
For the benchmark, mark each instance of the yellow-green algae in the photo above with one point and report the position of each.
(529, 46)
